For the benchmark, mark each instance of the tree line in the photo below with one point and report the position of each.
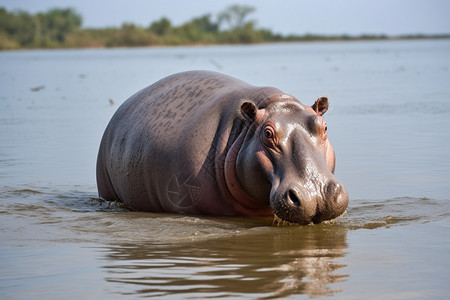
(62, 28)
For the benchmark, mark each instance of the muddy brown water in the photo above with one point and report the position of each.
(388, 121)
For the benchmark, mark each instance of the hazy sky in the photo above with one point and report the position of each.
(392, 17)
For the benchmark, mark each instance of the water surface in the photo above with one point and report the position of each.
(388, 121)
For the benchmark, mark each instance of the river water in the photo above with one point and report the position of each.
(389, 123)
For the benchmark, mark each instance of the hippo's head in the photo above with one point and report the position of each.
(287, 161)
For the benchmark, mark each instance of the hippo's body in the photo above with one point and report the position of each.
(205, 143)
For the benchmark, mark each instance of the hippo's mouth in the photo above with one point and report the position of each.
(280, 221)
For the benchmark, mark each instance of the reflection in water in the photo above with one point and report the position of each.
(267, 262)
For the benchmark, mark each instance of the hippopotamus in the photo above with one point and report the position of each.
(201, 142)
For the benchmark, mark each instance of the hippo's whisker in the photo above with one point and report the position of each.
(278, 221)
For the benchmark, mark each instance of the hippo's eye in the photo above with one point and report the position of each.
(268, 133)
(269, 137)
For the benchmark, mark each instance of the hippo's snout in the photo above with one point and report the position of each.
(297, 205)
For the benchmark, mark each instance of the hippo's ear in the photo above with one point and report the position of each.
(320, 106)
(249, 111)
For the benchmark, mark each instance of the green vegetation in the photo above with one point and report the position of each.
(61, 28)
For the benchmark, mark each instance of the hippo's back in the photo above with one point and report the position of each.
(169, 104)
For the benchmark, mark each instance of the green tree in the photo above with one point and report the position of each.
(161, 27)
(26, 27)
(19, 27)
(235, 16)
(57, 23)
(200, 29)
(204, 24)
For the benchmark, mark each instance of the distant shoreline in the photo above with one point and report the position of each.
(62, 29)
(325, 39)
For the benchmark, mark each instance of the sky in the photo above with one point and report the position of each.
(353, 17)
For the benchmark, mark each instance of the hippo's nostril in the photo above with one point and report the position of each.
(333, 189)
(293, 198)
